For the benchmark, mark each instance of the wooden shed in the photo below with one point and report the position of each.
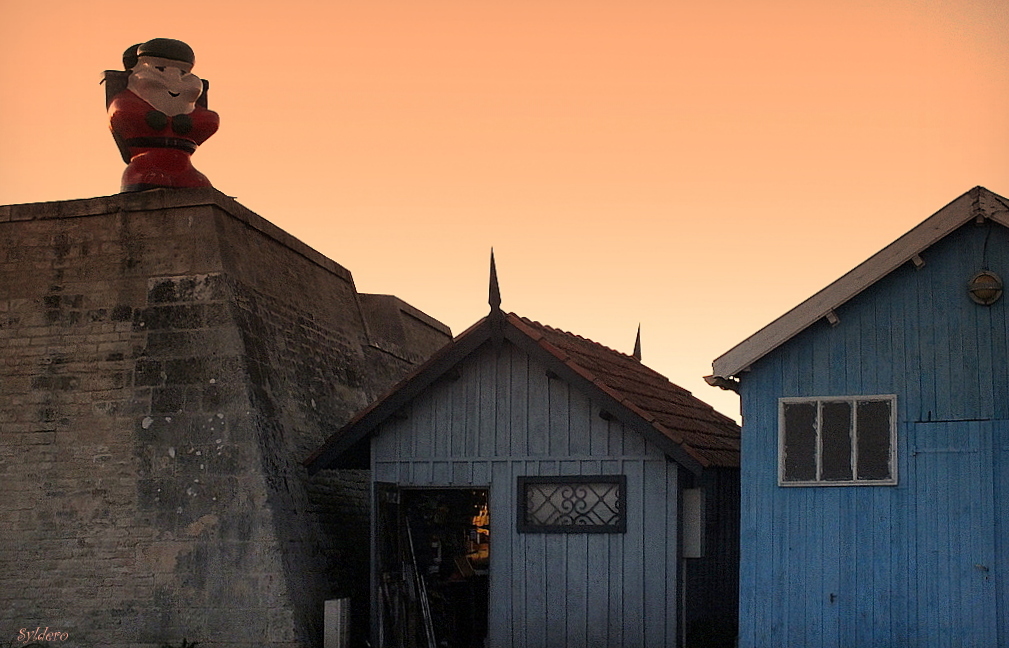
(875, 455)
(534, 488)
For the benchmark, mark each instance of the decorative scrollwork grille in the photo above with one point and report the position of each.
(582, 504)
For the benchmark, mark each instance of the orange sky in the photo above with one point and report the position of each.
(697, 170)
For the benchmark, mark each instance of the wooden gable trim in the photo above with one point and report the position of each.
(976, 203)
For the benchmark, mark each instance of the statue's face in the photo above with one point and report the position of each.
(167, 85)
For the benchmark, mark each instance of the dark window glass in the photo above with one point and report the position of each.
(835, 436)
(800, 442)
(874, 440)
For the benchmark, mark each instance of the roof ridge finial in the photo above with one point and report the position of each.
(494, 298)
(637, 345)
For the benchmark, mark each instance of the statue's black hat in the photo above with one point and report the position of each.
(168, 48)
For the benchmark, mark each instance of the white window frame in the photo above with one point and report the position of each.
(853, 401)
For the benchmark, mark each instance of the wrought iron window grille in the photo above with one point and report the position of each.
(572, 504)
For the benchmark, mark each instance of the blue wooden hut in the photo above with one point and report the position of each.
(534, 488)
(875, 452)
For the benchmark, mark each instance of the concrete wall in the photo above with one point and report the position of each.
(167, 360)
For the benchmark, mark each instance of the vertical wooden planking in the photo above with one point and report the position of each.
(464, 414)
(615, 435)
(634, 557)
(1000, 351)
(518, 407)
(472, 373)
(579, 415)
(439, 397)
(599, 434)
(558, 419)
(634, 445)
(868, 355)
(385, 472)
(981, 329)
(422, 428)
(791, 520)
(556, 589)
(617, 545)
(882, 569)
(599, 586)
(830, 586)
(487, 432)
(383, 443)
(1000, 569)
(502, 501)
(522, 562)
(864, 592)
(922, 325)
(502, 399)
(848, 592)
(960, 391)
(441, 473)
(910, 397)
(884, 313)
(901, 558)
(462, 473)
(983, 534)
(576, 550)
(759, 622)
(482, 476)
(538, 425)
(536, 601)
(673, 539)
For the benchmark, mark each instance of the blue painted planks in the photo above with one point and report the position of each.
(915, 334)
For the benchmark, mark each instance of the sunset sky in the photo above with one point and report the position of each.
(695, 167)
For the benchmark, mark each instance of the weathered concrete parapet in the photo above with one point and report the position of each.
(168, 360)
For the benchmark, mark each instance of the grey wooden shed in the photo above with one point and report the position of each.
(534, 488)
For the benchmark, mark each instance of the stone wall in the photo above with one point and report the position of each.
(167, 360)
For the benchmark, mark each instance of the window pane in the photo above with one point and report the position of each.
(800, 442)
(835, 432)
(874, 440)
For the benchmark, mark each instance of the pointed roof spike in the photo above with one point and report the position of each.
(495, 291)
(637, 345)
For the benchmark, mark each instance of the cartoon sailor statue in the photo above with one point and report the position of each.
(158, 115)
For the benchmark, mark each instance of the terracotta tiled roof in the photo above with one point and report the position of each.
(703, 432)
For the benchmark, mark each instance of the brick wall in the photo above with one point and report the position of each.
(167, 360)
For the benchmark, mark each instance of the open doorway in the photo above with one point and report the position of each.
(433, 569)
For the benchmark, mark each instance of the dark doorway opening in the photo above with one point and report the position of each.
(434, 558)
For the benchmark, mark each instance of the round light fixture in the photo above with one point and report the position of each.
(985, 287)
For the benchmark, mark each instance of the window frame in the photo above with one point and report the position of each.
(524, 526)
(853, 402)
